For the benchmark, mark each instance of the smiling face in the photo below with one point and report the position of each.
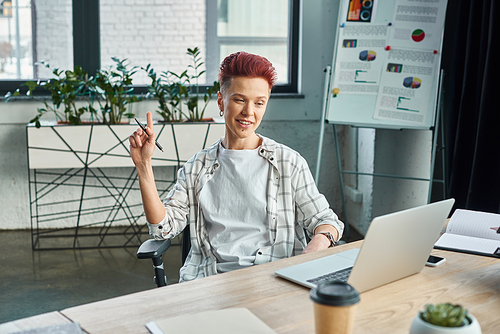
(244, 103)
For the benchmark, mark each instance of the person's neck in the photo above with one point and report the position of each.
(250, 143)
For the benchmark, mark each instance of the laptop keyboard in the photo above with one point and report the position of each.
(341, 275)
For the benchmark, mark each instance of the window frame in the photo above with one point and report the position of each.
(213, 43)
(86, 53)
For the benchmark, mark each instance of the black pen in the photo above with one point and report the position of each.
(144, 128)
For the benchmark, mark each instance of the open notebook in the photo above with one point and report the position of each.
(472, 232)
(396, 245)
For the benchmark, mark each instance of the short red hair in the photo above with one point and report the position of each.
(243, 64)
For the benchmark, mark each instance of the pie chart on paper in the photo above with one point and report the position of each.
(418, 35)
(367, 55)
(412, 82)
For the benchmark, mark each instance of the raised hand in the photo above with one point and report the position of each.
(142, 144)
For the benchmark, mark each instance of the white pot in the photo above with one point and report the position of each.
(419, 326)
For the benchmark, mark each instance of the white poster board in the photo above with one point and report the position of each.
(386, 64)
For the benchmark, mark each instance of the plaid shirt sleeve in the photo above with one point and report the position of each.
(294, 204)
(176, 211)
(312, 208)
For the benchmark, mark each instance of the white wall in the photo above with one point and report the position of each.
(359, 189)
(54, 35)
(403, 153)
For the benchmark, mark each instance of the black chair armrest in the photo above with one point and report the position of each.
(153, 248)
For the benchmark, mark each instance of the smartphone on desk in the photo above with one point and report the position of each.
(434, 261)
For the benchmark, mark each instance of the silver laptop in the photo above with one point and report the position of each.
(396, 245)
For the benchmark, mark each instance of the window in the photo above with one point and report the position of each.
(33, 31)
(90, 32)
(15, 39)
(154, 32)
(267, 28)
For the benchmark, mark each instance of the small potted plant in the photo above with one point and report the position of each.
(444, 318)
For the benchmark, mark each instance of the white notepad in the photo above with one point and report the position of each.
(225, 321)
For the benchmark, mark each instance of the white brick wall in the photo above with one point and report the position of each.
(54, 35)
(152, 32)
(156, 32)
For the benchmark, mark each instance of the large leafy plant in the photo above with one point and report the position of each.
(174, 91)
(113, 87)
(65, 89)
(195, 114)
(168, 93)
(178, 94)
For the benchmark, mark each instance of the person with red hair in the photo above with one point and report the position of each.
(246, 199)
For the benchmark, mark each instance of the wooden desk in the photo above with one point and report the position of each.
(473, 281)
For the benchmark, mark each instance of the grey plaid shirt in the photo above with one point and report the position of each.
(293, 204)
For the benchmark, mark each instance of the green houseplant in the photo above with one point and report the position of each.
(65, 89)
(444, 318)
(173, 91)
(113, 87)
(168, 93)
(195, 114)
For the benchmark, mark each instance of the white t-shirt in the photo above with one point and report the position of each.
(234, 204)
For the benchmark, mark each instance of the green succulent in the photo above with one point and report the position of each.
(445, 315)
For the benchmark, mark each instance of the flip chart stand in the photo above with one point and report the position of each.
(437, 129)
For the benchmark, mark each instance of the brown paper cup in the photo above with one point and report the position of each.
(334, 319)
(335, 306)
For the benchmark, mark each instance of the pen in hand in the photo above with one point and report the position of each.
(144, 128)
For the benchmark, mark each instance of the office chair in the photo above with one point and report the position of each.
(154, 250)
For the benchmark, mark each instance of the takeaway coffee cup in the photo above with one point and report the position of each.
(335, 305)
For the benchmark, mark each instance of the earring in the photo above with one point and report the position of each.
(221, 113)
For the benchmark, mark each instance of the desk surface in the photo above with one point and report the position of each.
(471, 280)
